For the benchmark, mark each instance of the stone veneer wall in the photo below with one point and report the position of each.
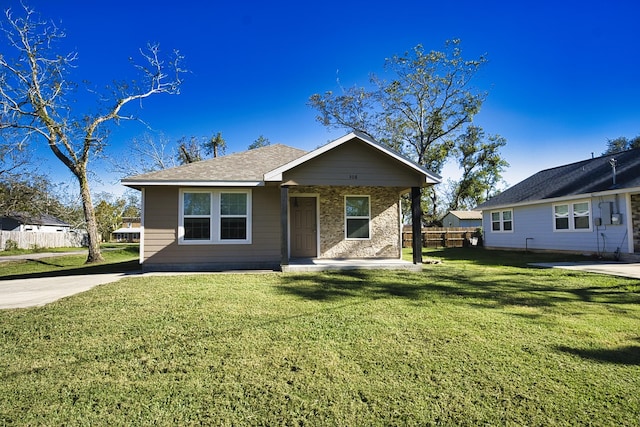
(635, 218)
(385, 222)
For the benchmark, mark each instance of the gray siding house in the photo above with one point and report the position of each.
(592, 206)
(265, 207)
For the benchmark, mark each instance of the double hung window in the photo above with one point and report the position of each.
(572, 216)
(215, 216)
(502, 221)
(357, 217)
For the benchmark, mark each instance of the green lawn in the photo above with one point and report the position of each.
(123, 257)
(478, 341)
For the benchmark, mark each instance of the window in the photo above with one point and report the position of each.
(233, 216)
(502, 220)
(215, 216)
(357, 216)
(197, 216)
(572, 216)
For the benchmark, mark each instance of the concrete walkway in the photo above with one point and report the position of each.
(630, 270)
(40, 255)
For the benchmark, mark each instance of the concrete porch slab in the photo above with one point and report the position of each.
(300, 265)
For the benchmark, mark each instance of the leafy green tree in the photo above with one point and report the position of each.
(482, 167)
(37, 100)
(261, 141)
(25, 193)
(215, 145)
(621, 143)
(420, 111)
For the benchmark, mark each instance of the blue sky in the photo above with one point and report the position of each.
(562, 76)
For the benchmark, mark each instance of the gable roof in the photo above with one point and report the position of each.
(574, 180)
(466, 214)
(276, 174)
(37, 219)
(246, 168)
(257, 166)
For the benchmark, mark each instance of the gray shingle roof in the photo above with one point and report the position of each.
(247, 166)
(585, 177)
(38, 219)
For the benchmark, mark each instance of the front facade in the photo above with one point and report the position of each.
(590, 207)
(265, 207)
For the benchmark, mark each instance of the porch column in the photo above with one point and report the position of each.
(416, 225)
(284, 225)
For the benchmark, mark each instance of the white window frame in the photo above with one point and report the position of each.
(501, 221)
(571, 216)
(347, 217)
(215, 217)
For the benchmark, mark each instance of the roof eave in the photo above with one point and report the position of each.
(177, 183)
(562, 198)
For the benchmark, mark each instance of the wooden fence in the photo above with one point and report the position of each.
(445, 237)
(30, 239)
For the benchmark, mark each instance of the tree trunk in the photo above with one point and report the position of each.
(90, 218)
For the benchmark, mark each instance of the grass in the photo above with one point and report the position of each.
(117, 258)
(478, 339)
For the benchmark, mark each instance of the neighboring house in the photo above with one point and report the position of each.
(40, 223)
(592, 206)
(128, 232)
(462, 219)
(264, 207)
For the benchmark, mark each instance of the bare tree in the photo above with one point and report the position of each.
(35, 92)
(145, 154)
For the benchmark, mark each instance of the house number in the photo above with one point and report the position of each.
(353, 176)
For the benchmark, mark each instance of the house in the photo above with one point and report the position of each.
(592, 206)
(129, 231)
(40, 223)
(275, 206)
(462, 219)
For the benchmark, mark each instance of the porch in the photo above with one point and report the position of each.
(302, 265)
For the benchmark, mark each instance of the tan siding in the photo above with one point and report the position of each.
(161, 230)
(354, 164)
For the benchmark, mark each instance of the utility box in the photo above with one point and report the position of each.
(616, 219)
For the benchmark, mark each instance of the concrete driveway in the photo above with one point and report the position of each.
(32, 292)
(40, 289)
(630, 270)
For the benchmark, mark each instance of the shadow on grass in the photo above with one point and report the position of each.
(481, 256)
(104, 268)
(629, 355)
(491, 288)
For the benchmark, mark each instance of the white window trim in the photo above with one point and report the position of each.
(346, 218)
(571, 217)
(216, 223)
(502, 230)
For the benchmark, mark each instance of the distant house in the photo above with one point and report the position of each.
(271, 206)
(38, 223)
(462, 219)
(592, 206)
(128, 232)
